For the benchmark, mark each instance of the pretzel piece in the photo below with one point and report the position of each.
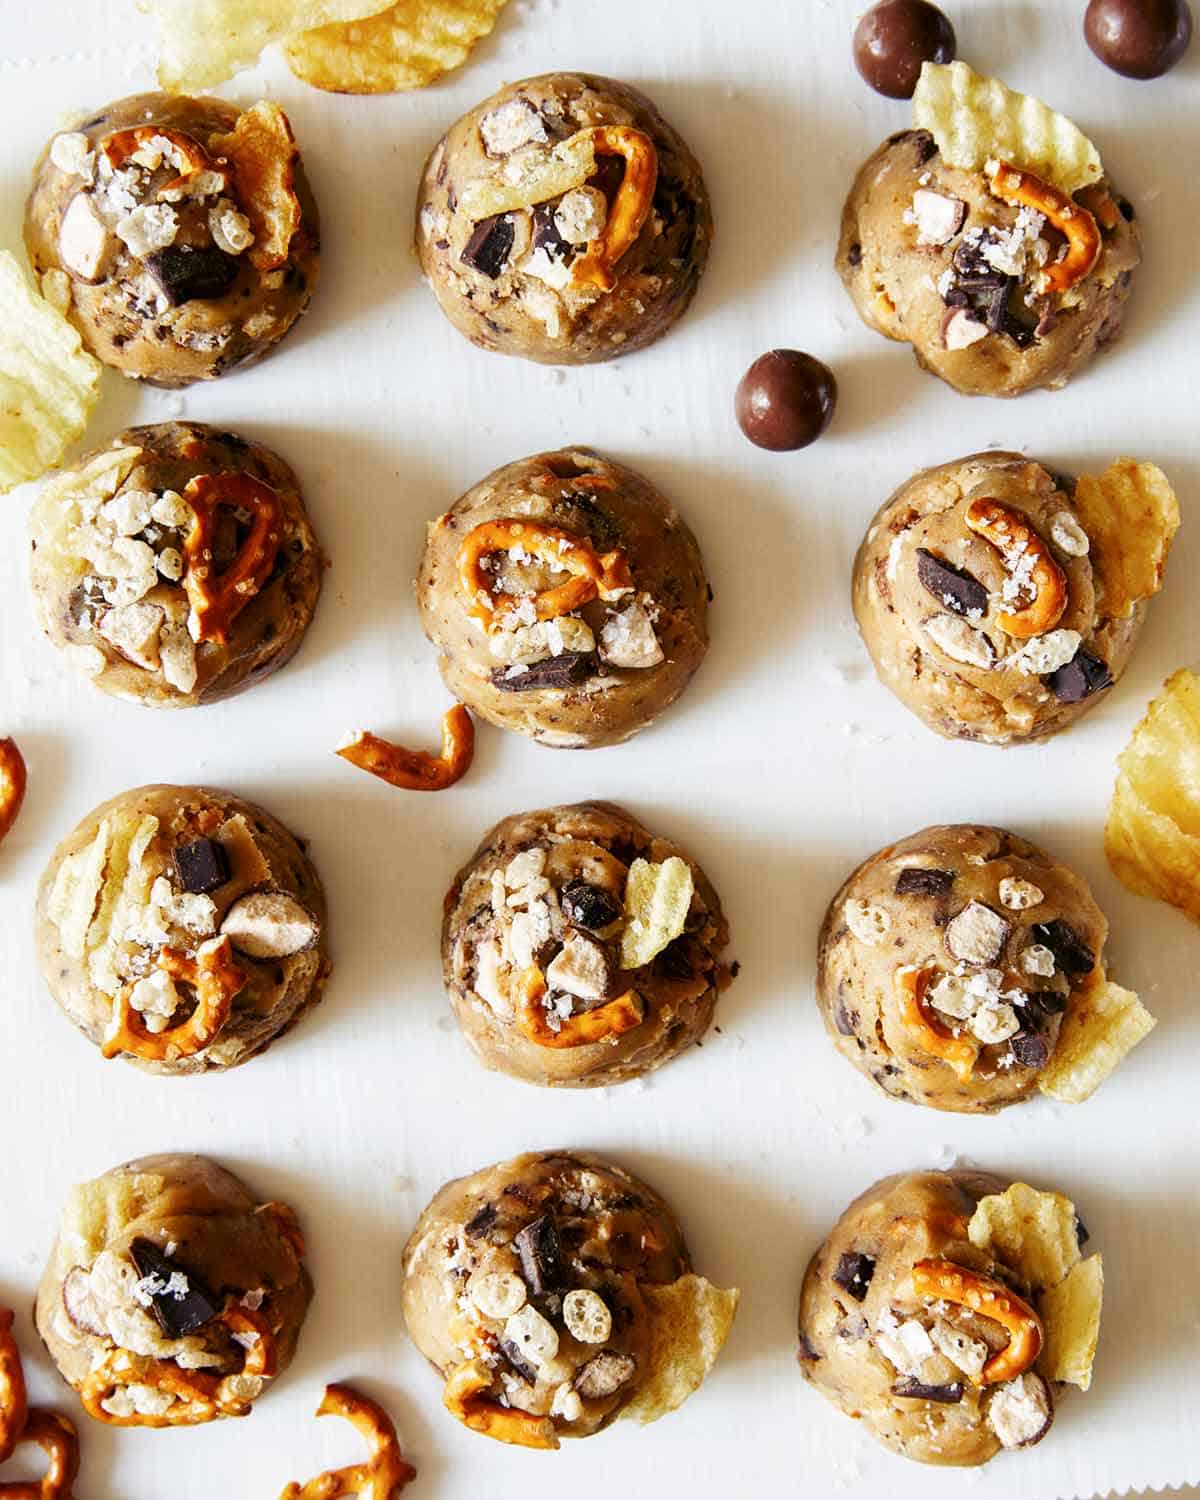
(216, 603)
(216, 978)
(417, 770)
(12, 784)
(384, 1474)
(593, 574)
(121, 145)
(13, 1405)
(946, 1281)
(1022, 549)
(603, 1023)
(630, 209)
(911, 987)
(1070, 218)
(59, 1441)
(463, 1398)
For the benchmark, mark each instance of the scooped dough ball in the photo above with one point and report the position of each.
(914, 1367)
(933, 258)
(182, 929)
(563, 220)
(568, 599)
(129, 542)
(947, 961)
(179, 235)
(999, 644)
(535, 1269)
(172, 1296)
(554, 964)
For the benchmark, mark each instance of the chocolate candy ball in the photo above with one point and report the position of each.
(894, 38)
(785, 400)
(1138, 38)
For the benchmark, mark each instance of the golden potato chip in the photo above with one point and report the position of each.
(1070, 1314)
(48, 383)
(1131, 515)
(125, 887)
(1102, 1024)
(657, 901)
(974, 119)
(262, 151)
(75, 892)
(1033, 1233)
(690, 1321)
(535, 177)
(405, 47)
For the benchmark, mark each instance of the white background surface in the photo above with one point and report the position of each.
(783, 766)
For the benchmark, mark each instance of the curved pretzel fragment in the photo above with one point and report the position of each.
(118, 147)
(603, 1023)
(911, 987)
(630, 209)
(946, 1281)
(13, 777)
(463, 1398)
(217, 603)
(417, 770)
(216, 978)
(1070, 218)
(1021, 547)
(593, 574)
(59, 1441)
(384, 1474)
(13, 1405)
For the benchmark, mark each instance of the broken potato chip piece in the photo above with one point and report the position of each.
(691, 1319)
(658, 898)
(1102, 1025)
(975, 119)
(406, 46)
(48, 383)
(1035, 1233)
(262, 152)
(1070, 1315)
(1131, 515)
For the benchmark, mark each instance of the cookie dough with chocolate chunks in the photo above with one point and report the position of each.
(182, 929)
(581, 950)
(179, 235)
(172, 1296)
(567, 597)
(176, 565)
(563, 220)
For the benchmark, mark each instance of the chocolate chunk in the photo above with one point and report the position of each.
(1082, 1233)
(588, 905)
(1071, 953)
(808, 1355)
(854, 254)
(915, 1390)
(180, 1302)
(480, 1222)
(1049, 1002)
(853, 1273)
(201, 866)
(518, 1361)
(1030, 1049)
(785, 400)
(845, 1020)
(917, 882)
(546, 235)
(537, 1246)
(490, 245)
(894, 38)
(1082, 676)
(566, 670)
(608, 176)
(954, 588)
(186, 273)
(1138, 38)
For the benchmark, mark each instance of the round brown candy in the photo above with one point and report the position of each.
(1138, 38)
(785, 400)
(894, 38)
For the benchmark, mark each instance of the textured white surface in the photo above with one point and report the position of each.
(782, 767)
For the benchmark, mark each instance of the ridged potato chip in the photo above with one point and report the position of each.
(76, 890)
(406, 47)
(262, 151)
(1131, 515)
(974, 119)
(1102, 1025)
(1070, 1314)
(1035, 1233)
(48, 383)
(657, 901)
(691, 1320)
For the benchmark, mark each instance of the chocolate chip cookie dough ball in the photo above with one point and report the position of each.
(977, 596)
(172, 1296)
(176, 565)
(947, 961)
(568, 599)
(933, 256)
(563, 220)
(182, 929)
(179, 235)
(579, 949)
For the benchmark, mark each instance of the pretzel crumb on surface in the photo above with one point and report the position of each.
(416, 770)
(385, 1473)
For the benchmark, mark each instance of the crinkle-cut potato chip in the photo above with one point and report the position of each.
(974, 119)
(1034, 1233)
(658, 898)
(535, 177)
(690, 1321)
(76, 890)
(405, 47)
(1103, 1024)
(262, 151)
(1131, 515)
(48, 383)
(1071, 1317)
(204, 42)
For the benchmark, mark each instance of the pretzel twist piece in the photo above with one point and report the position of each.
(1016, 540)
(121, 145)
(216, 979)
(13, 1405)
(384, 1474)
(603, 1023)
(58, 1440)
(417, 770)
(946, 1281)
(217, 603)
(13, 777)
(1070, 218)
(463, 1398)
(630, 209)
(960, 1052)
(593, 574)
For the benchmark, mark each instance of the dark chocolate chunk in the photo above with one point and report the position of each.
(490, 245)
(1030, 1049)
(954, 588)
(187, 273)
(894, 38)
(915, 1390)
(1082, 1233)
(537, 1246)
(178, 1309)
(1082, 676)
(1049, 1002)
(566, 670)
(1138, 38)
(854, 254)
(845, 1020)
(808, 1355)
(546, 235)
(785, 400)
(518, 1361)
(917, 882)
(588, 905)
(853, 1273)
(608, 176)
(1071, 953)
(480, 1222)
(201, 866)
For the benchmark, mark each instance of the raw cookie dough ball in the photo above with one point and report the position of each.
(130, 542)
(533, 1271)
(182, 928)
(568, 599)
(947, 961)
(172, 1296)
(563, 220)
(913, 1367)
(180, 235)
(535, 949)
(933, 258)
(996, 643)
